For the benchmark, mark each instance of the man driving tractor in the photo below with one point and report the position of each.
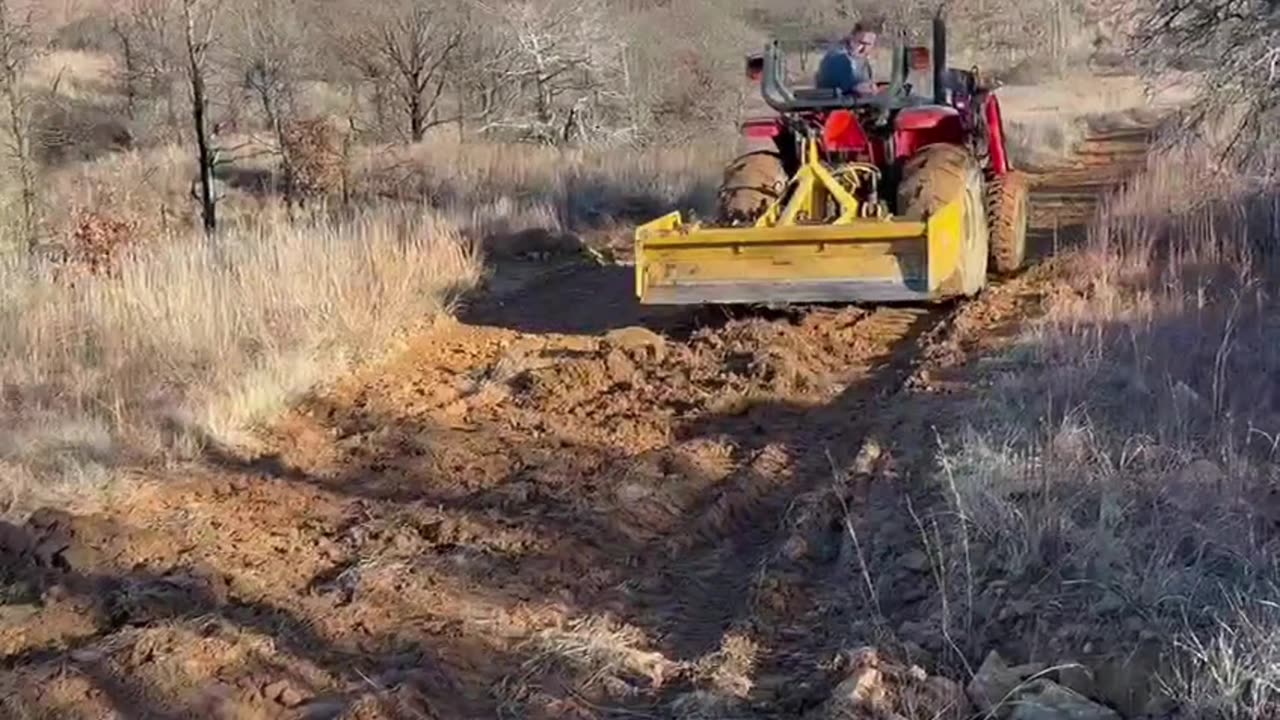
(847, 66)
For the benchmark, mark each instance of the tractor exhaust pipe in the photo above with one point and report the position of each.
(940, 90)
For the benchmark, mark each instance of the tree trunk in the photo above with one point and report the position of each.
(208, 204)
(271, 109)
(286, 166)
(417, 117)
(130, 70)
(26, 176)
(195, 58)
(12, 63)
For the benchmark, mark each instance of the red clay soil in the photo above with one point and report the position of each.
(558, 505)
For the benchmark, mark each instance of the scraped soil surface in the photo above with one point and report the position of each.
(558, 505)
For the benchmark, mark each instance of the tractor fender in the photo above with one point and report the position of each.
(927, 118)
(994, 120)
(931, 125)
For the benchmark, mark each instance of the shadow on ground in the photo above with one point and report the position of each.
(583, 299)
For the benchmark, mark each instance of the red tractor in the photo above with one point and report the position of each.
(889, 196)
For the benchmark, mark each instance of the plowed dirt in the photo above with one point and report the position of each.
(558, 505)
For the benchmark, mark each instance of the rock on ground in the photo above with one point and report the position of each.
(994, 682)
(1046, 700)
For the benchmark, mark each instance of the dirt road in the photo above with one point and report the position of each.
(558, 505)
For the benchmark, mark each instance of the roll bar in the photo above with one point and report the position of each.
(784, 99)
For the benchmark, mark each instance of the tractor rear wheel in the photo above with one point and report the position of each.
(938, 175)
(1007, 213)
(751, 183)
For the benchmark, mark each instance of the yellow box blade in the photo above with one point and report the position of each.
(867, 260)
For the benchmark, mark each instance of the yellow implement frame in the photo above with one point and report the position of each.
(816, 243)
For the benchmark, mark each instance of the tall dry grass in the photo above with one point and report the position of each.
(500, 189)
(490, 191)
(1122, 476)
(194, 341)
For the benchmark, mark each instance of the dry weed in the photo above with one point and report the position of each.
(577, 189)
(1125, 468)
(604, 659)
(197, 340)
(97, 242)
(315, 150)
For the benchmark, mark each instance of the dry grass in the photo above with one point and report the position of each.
(499, 189)
(1123, 478)
(74, 74)
(1046, 121)
(605, 660)
(490, 191)
(195, 341)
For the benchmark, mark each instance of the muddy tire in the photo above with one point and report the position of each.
(936, 176)
(1007, 216)
(751, 183)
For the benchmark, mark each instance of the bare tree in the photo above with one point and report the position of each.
(1236, 47)
(150, 55)
(198, 18)
(270, 45)
(124, 32)
(410, 46)
(17, 49)
(685, 64)
(562, 73)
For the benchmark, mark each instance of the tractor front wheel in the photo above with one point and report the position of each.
(1007, 213)
(751, 183)
(936, 176)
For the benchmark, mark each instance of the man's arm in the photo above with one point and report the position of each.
(863, 80)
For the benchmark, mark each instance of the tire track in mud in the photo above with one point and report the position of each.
(786, 450)
(1065, 198)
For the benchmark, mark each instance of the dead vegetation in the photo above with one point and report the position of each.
(185, 343)
(1118, 487)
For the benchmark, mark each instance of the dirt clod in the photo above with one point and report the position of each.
(941, 698)
(1129, 682)
(638, 339)
(1077, 678)
(14, 540)
(993, 683)
(620, 367)
(916, 561)
(864, 689)
(868, 456)
(284, 693)
(1046, 700)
